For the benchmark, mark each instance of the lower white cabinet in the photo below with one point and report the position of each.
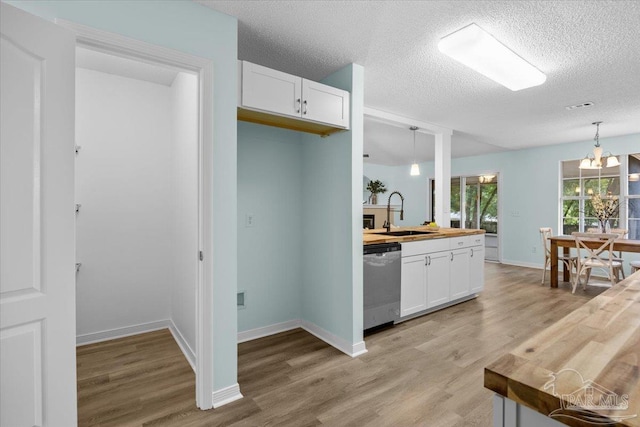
(438, 277)
(476, 269)
(459, 283)
(413, 292)
(435, 272)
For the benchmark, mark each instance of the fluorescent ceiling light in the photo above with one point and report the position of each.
(478, 50)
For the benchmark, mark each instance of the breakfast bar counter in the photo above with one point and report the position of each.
(583, 370)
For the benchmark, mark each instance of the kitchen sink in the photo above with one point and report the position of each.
(406, 233)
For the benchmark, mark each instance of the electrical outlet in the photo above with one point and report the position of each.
(533, 250)
(249, 220)
(515, 213)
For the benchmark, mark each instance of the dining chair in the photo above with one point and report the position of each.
(599, 257)
(635, 266)
(622, 234)
(570, 262)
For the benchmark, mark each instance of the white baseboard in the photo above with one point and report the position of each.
(188, 352)
(522, 264)
(265, 331)
(226, 395)
(111, 334)
(352, 350)
(344, 346)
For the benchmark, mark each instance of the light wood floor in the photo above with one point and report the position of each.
(427, 371)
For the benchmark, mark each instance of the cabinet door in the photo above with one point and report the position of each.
(271, 90)
(459, 273)
(326, 104)
(476, 269)
(413, 289)
(438, 278)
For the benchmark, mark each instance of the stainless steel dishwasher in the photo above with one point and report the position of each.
(381, 276)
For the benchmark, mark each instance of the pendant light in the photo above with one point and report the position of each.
(415, 169)
(596, 160)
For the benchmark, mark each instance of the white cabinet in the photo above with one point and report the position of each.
(459, 280)
(435, 272)
(275, 98)
(438, 277)
(271, 90)
(413, 289)
(476, 269)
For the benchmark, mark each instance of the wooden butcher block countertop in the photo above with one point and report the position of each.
(591, 357)
(369, 237)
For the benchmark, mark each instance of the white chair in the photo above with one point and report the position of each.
(635, 266)
(595, 258)
(570, 262)
(622, 234)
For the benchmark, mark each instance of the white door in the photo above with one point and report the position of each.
(438, 265)
(271, 90)
(325, 104)
(413, 286)
(459, 282)
(476, 269)
(37, 282)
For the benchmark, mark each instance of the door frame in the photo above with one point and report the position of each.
(122, 46)
(463, 177)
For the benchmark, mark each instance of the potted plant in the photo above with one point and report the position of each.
(375, 187)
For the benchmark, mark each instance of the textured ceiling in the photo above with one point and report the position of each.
(589, 51)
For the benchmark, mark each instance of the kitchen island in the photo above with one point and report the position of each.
(582, 371)
(439, 268)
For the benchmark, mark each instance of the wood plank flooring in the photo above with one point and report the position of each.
(423, 372)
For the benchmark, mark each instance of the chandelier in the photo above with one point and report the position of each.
(597, 159)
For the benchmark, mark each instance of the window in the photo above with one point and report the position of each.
(578, 185)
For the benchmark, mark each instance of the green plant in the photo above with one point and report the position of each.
(376, 187)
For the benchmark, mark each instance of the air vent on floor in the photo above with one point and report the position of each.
(583, 105)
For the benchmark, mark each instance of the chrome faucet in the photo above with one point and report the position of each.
(387, 223)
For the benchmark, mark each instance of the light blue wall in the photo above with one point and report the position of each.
(529, 185)
(332, 210)
(413, 188)
(201, 31)
(270, 175)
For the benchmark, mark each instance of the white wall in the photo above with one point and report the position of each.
(184, 187)
(123, 183)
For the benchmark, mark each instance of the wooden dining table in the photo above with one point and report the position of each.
(568, 242)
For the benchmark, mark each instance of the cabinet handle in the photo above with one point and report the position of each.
(460, 243)
(451, 256)
(298, 102)
(305, 107)
(471, 252)
(427, 260)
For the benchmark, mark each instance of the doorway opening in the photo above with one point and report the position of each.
(475, 204)
(138, 180)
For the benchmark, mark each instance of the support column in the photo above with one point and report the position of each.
(443, 179)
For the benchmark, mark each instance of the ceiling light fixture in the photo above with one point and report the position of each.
(485, 178)
(596, 160)
(415, 169)
(480, 51)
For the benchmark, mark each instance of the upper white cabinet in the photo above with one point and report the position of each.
(275, 98)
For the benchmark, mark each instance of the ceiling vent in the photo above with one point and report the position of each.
(575, 107)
